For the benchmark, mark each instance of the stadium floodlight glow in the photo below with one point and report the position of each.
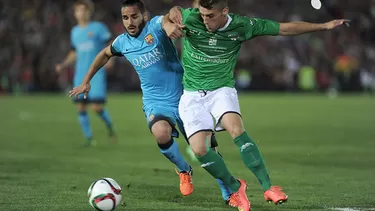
(316, 4)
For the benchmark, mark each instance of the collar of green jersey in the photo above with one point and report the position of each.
(227, 24)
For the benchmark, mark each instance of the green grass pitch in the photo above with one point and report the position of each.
(321, 150)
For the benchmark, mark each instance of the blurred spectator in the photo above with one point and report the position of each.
(34, 35)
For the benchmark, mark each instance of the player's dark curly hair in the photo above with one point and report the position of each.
(210, 4)
(139, 3)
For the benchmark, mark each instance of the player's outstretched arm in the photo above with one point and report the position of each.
(100, 60)
(172, 30)
(175, 15)
(69, 60)
(297, 28)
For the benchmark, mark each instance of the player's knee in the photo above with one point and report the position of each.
(198, 143)
(162, 137)
(232, 123)
(97, 108)
(81, 107)
(162, 132)
(236, 129)
(199, 151)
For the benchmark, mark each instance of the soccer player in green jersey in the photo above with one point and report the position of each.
(211, 46)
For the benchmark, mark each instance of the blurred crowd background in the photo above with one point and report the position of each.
(34, 37)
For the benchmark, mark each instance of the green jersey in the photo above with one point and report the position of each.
(209, 58)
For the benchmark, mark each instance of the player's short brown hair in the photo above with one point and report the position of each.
(88, 3)
(210, 4)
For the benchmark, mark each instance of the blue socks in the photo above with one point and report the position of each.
(225, 191)
(104, 115)
(85, 124)
(172, 152)
(84, 121)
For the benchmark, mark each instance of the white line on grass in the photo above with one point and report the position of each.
(351, 209)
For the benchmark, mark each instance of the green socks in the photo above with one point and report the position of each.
(252, 158)
(215, 165)
(250, 155)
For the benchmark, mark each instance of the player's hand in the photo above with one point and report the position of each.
(336, 23)
(81, 89)
(175, 15)
(174, 31)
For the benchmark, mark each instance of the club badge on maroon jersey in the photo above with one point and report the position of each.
(149, 39)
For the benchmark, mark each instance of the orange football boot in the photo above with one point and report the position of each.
(239, 199)
(186, 182)
(275, 195)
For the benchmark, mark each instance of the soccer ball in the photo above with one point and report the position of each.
(104, 194)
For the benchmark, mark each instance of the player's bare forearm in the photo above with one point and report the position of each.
(297, 28)
(175, 9)
(100, 60)
(70, 59)
(166, 21)
(173, 30)
(175, 15)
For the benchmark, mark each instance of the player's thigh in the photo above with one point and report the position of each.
(225, 108)
(232, 123)
(194, 116)
(180, 124)
(97, 97)
(97, 106)
(81, 105)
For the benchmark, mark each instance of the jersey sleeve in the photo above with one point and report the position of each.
(156, 23)
(116, 46)
(104, 33)
(259, 27)
(186, 13)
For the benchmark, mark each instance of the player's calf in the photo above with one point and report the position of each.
(253, 159)
(249, 150)
(226, 192)
(84, 121)
(169, 148)
(104, 115)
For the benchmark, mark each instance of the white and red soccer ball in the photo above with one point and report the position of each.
(104, 194)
